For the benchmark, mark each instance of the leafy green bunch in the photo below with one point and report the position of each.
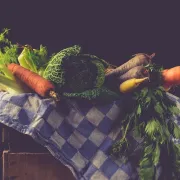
(8, 51)
(151, 120)
(29, 58)
(34, 59)
(9, 54)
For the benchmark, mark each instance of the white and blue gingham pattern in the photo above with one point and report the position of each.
(80, 139)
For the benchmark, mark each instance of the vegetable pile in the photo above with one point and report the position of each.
(72, 74)
(68, 73)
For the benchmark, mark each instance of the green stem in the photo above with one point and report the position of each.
(6, 72)
(10, 86)
(127, 127)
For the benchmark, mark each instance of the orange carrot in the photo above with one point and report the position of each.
(171, 77)
(34, 81)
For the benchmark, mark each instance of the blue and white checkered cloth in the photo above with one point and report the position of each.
(80, 139)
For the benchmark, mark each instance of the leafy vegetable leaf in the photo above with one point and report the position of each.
(139, 110)
(3, 38)
(176, 131)
(148, 100)
(153, 127)
(156, 154)
(174, 110)
(148, 150)
(177, 148)
(144, 92)
(25, 59)
(147, 170)
(41, 55)
(170, 125)
(8, 51)
(9, 54)
(102, 94)
(6, 72)
(175, 155)
(54, 70)
(158, 108)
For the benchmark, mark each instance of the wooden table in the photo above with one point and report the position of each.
(24, 159)
(33, 166)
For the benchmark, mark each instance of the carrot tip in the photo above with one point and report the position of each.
(54, 95)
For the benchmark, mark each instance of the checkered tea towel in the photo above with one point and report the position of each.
(80, 139)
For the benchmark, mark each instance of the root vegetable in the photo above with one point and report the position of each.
(136, 72)
(34, 81)
(137, 60)
(171, 77)
(131, 84)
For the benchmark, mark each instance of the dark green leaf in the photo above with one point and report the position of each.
(177, 147)
(148, 100)
(146, 169)
(159, 93)
(147, 173)
(120, 146)
(176, 131)
(156, 155)
(176, 159)
(102, 94)
(139, 110)
(174, 110)
(162, 89)
(144, 92)
(158, 108)
(3, 38)
(145, 161)
(148, 150)
(166, 131)
(152, 127)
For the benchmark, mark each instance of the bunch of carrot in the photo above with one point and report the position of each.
(131, 72)
(135, 69)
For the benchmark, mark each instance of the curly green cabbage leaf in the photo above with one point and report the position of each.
(54, 70)
(98, 94)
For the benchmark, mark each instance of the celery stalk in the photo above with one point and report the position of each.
(10, 86)
(6, 72)
(22, 60)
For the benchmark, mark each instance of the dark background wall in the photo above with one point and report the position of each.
(113, 31)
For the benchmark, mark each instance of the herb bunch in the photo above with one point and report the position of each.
(150, 118)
